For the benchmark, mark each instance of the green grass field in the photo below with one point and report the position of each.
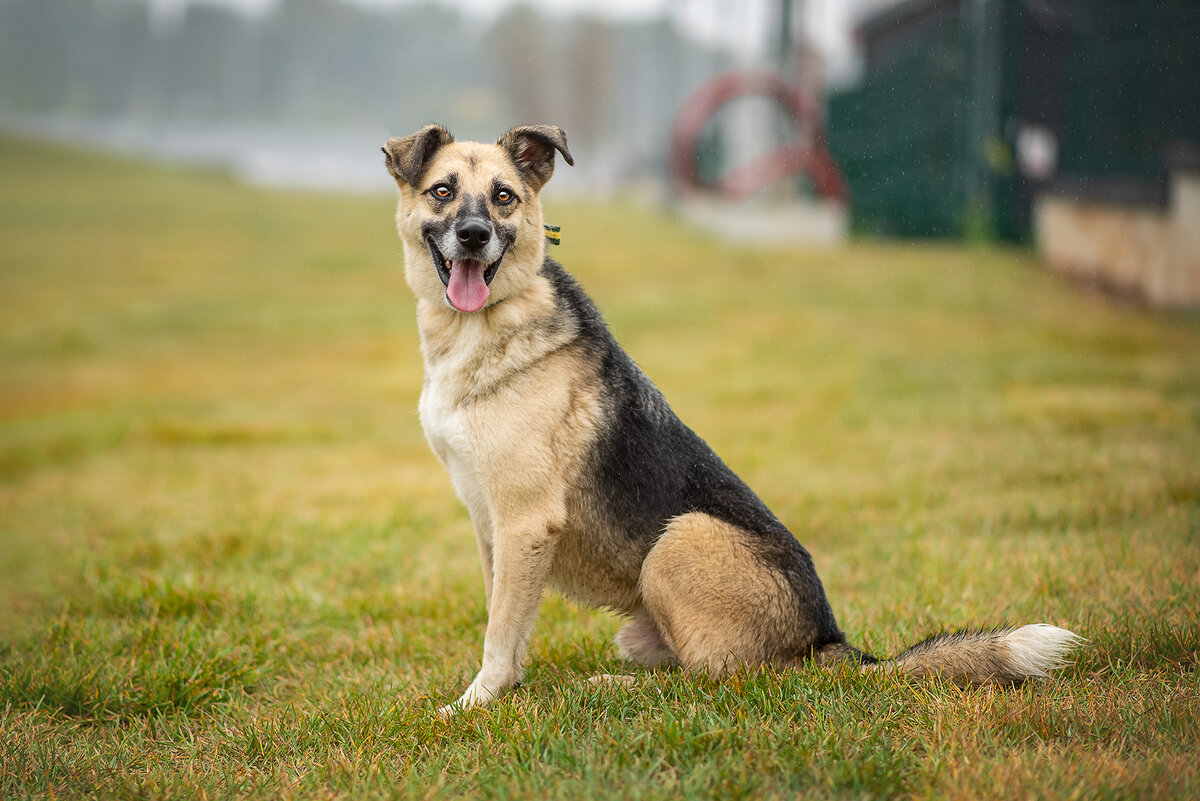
(229, 565)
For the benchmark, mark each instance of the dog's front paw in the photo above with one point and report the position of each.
(478, 694)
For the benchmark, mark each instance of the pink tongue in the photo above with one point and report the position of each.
(467, 290)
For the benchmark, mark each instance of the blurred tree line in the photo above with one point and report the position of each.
(324, 63)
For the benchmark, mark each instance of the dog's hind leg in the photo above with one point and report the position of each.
(640, 641)
(719, 603)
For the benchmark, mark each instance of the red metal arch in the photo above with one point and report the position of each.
(805, 155)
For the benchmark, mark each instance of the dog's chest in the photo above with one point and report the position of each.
(449, 430)
(484, 434)
(491, 395)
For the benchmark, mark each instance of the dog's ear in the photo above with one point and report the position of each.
(532, 147)
(407, 158)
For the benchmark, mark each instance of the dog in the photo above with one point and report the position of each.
(577, 473)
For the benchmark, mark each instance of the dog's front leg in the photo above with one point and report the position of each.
(521, 559)
(486, 558)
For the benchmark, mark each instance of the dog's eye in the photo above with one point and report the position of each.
(504, 197)
(442, 192)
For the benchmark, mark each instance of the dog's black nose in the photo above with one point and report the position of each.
(474, 234)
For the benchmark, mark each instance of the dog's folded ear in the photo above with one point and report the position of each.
(532, 147)
(407, 158)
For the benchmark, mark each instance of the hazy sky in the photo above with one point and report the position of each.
(745, 24)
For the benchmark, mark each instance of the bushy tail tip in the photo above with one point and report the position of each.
(998, 656)
(1038, 648)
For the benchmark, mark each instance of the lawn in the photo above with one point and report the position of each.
(229, 565)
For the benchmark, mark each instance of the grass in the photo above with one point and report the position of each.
(230, 566)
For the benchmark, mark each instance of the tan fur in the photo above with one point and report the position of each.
(641, 641)
(504, 412)
(715, 604)
(999, 656)
(511, 412)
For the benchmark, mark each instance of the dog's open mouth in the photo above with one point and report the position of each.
(467, 281)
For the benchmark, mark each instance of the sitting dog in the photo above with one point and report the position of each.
(577, 473)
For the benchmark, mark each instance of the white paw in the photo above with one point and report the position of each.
(478, 694)
(611, 678)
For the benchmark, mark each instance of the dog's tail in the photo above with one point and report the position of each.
(997, 656)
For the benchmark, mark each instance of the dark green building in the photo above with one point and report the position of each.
(968, 108)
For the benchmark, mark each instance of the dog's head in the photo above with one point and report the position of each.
(469, 214)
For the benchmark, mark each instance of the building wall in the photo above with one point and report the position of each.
(1142, 252)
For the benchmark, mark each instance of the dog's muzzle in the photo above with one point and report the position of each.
(466, 262)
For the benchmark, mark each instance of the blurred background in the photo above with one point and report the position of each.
(805, 120)
(260, 83)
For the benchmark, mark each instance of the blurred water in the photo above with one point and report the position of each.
(342, 161)
(311, 159)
